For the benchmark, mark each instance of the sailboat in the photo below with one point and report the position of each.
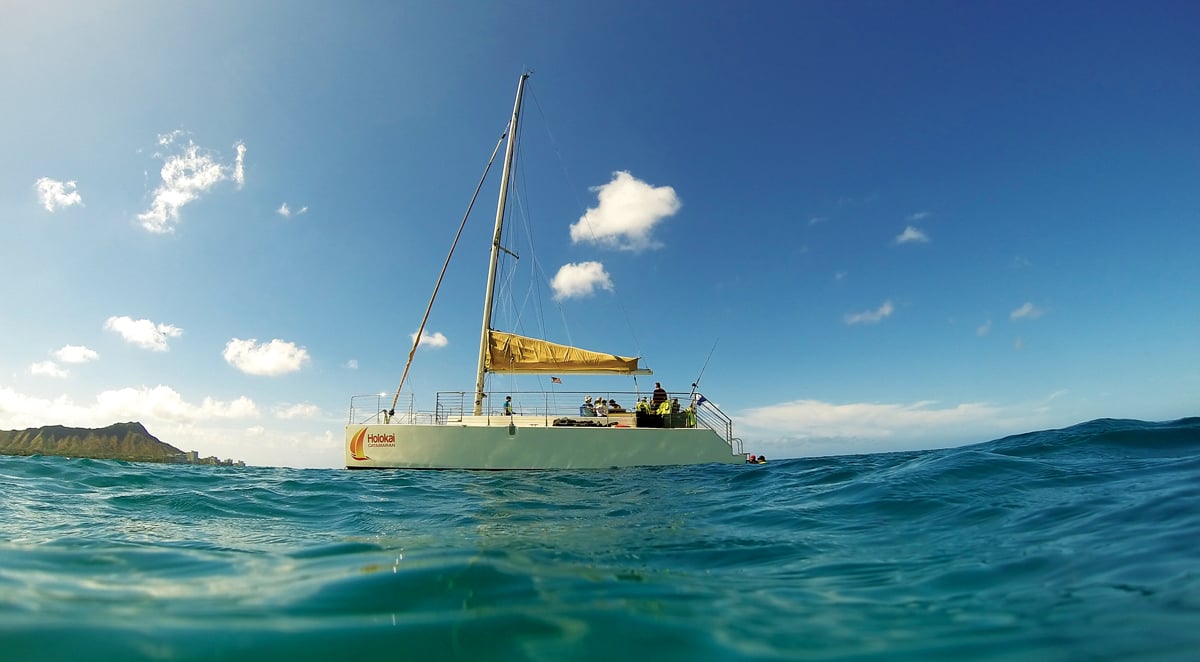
(533, 430)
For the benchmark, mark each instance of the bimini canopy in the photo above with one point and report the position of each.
(508, 352)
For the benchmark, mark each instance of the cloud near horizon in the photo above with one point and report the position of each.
(48, 369)
(627, 212)
(55, 195)
(143, 333)
(143, 404)
(277, 357)
(186, 175)
(302, 410)
(579, 280)
(871, 316)
(805, 428)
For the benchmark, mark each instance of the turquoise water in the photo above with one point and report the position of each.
(1074, 544)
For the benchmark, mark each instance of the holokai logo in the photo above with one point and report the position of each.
(361, 440)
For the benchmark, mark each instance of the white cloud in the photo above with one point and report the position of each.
(163, 402)
(303, 410)
(76, 354)
(185, 177)
(813, 427)
(239, 165)
(224, 428)
(277, 357)
(143, 333)
(628, 211)
(1027, 311)
(48, 369)
(286, 211)
(579, 280)
(910, 235)
(813, 418)
(54, 194)
(352, 364)
(871, 316)
(431, 339)
(817, 220)
(984, 328)
(918, 216)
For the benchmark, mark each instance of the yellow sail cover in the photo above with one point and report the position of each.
(508, 352)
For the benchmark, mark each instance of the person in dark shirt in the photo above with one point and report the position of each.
(658, 397)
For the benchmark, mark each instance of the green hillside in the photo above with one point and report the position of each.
(120, 441)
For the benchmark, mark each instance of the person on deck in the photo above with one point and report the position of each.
(658, 397)
(664, 408)
(674, 405)
(508, 405)
(585, 409)
(643, 406)
(601, 407)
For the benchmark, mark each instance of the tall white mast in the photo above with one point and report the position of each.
(491, 281)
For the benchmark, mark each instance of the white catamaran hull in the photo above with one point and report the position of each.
(453, 446)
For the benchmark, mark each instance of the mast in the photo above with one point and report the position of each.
(491, 280)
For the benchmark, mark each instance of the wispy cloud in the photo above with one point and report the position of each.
(186, 175)
(805, 418)
(56, 195)
(303, 410)
(352, 364)
(143, 333)
(276, 357)
(76, 354)
(164, 402)
(912, 234)
(126, 404)
(579, 280)
(437, 339)
(1027, 311)
(984, 328)
(918, 216)
(817, 220)
(239, 165)
(871, 316)
(48, 369)
(814, 427)
(628, 211)
(287, 212)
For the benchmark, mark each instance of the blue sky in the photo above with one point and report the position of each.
(901, 225)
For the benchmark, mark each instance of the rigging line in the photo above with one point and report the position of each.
(421, 329)
(696, 383)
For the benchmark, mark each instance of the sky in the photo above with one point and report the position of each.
(863, 226)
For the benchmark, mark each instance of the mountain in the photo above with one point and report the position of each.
(119, 441)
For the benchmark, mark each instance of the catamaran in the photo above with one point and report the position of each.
(533, 430)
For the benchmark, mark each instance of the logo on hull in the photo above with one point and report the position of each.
(356, 446)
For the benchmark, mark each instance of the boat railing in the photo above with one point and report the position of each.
(452, 406)
(455, 406)
(373, 408)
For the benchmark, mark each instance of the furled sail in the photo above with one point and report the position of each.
(508, 352)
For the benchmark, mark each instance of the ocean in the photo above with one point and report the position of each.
(1073, 544)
